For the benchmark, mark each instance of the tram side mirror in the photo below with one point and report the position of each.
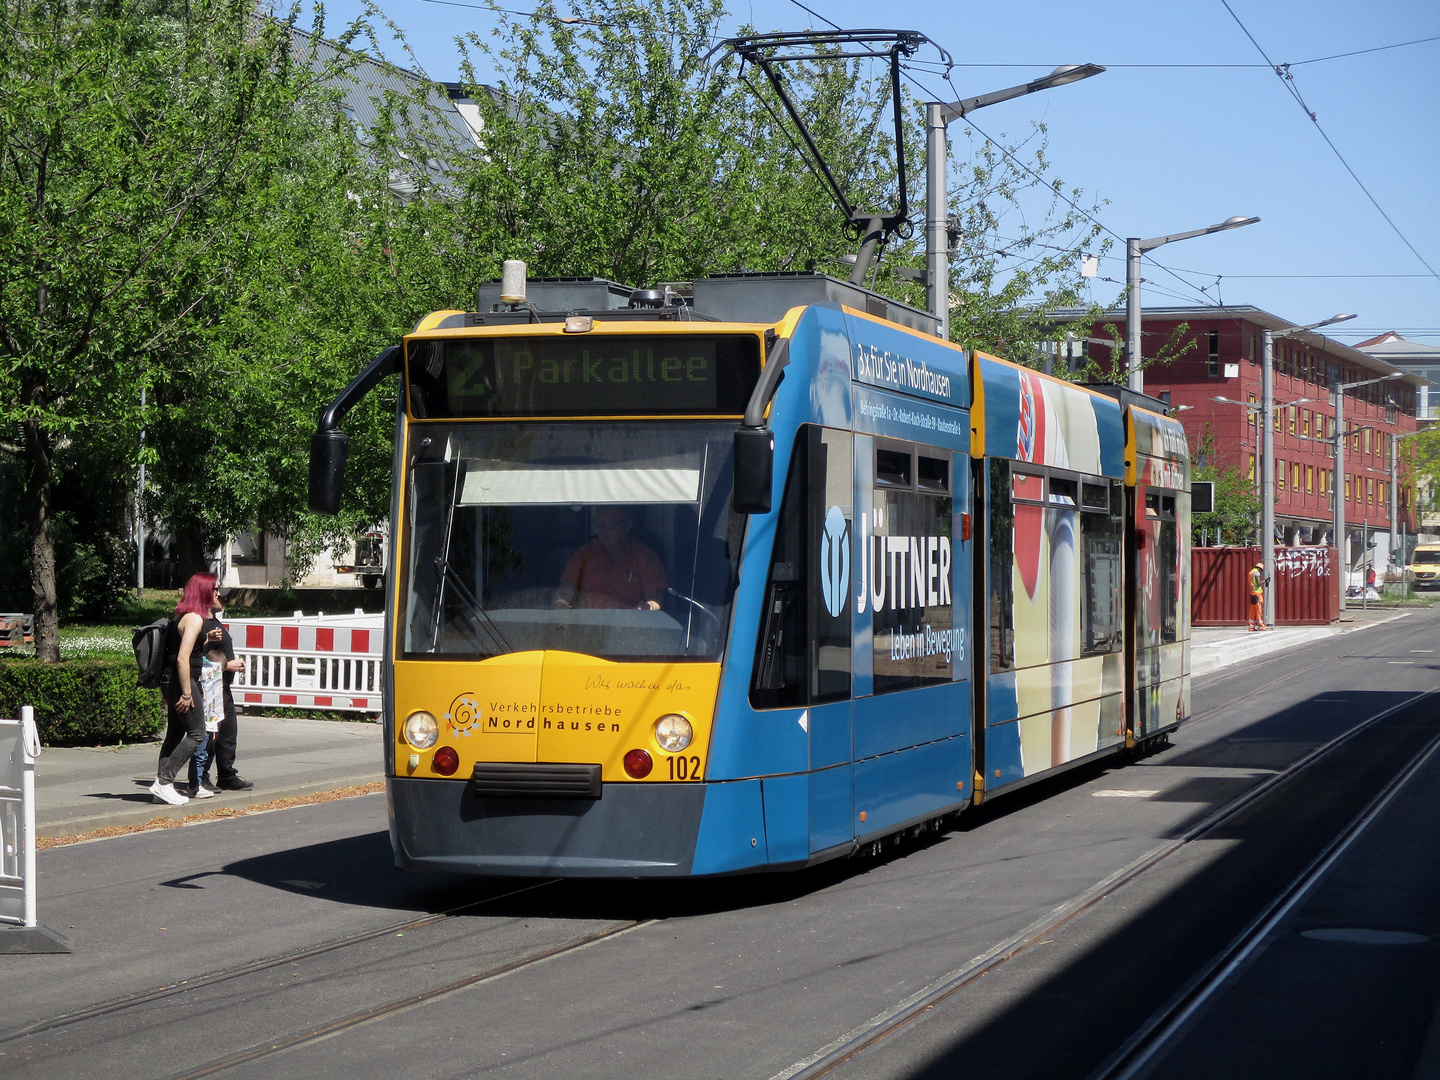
(754, 468)
(328, 450)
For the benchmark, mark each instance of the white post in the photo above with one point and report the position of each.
(30, 742)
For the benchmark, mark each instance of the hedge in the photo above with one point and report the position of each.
(82, 702)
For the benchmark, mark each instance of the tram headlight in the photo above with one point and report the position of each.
(673, 732)
(421, 730)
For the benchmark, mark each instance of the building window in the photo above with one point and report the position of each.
(1253, 414)
(1309, 479)
(1347, 488)
(1380, 491)
(1291, 411)
(1214, 352)
(1370, 490)
(248, 549)
(1368, 443)
(1295, 477)
(1280, 475)
(1251, 475)
(1324, 482)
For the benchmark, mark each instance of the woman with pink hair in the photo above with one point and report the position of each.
(184, 657)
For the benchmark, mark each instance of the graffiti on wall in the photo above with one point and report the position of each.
(1302, 562)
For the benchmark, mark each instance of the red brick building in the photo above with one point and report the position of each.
(1223, 360)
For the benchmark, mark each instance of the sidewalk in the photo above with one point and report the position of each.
(1216, 647)
(78, 789)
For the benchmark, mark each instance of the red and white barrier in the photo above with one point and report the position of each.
(310, 662)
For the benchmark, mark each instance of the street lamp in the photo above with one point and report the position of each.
(1267, 490)
(1337, 487)
(1134, 248)
(938, 116)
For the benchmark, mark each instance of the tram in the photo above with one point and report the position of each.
(750, 574)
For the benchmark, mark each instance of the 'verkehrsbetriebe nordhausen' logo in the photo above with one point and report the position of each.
(835, 562)
(464, 715)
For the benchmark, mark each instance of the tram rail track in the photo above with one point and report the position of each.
(115, 1006)
(324, 1031)
(1169, 1019)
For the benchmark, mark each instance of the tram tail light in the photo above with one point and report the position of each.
(446, 761)
(964, 527)
(638, 764)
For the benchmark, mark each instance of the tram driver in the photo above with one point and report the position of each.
(614, 570)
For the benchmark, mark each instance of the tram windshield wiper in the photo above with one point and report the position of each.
(471, 609)
(697, 605)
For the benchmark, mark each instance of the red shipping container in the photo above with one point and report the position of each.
(1305, 586)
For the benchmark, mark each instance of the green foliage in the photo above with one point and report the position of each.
(139, 145)
(82, 702)
(1426, 463)
(1237, 505)
(194, 220)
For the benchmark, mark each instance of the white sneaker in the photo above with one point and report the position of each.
(166, 793)
(202, 792)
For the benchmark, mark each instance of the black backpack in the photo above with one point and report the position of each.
(149, 643)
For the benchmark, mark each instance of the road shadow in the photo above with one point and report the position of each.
(1059, 1013)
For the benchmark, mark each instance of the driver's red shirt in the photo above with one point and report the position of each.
(597, 583)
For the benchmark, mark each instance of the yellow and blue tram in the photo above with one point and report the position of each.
(751, 576)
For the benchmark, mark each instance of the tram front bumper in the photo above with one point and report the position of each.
(632, 830)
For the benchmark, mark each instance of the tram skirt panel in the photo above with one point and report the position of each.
(632, 830)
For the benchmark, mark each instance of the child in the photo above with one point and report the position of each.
(212, 688)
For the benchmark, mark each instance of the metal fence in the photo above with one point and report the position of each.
(310, 662)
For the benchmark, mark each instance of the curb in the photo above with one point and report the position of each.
(145, 813)
(1226, 653)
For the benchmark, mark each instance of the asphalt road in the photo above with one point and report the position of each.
(284, 944)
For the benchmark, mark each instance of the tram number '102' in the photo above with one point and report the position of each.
(684, 768)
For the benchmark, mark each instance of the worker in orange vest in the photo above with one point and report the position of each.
(1257, 597)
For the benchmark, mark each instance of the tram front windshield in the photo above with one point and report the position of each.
(611, 539)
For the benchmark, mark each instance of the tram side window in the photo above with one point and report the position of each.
(1101, 557)
(803, 655)
(1168, 557)
(1001, 515)
(908, 572)
(1160, 514)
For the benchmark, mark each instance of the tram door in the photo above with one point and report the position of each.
(912, 596)
(805, 656)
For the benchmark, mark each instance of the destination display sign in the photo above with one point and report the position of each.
(582, 375)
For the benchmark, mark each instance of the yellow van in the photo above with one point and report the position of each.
(1425, 566)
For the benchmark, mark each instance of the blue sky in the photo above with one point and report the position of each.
(1171, 146)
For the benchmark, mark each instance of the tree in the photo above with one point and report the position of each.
(616, 145)
(128, 136)
(1237, 503)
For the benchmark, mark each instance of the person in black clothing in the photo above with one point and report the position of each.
(185, 727)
